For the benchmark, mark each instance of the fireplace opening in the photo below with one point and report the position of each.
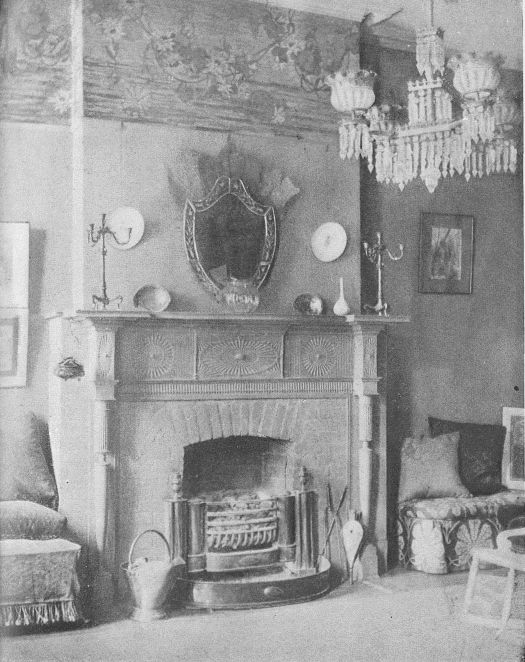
(245, 468)
(246, 536)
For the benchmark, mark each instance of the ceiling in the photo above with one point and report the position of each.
(470, 25)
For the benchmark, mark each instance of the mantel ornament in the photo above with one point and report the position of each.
(375, 253)
(94, 236)
(230, 242)
(69, 368)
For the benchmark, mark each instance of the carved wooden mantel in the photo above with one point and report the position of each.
(191, 357)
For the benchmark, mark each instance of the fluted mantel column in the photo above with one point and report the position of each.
(365, 389)
(101, 372)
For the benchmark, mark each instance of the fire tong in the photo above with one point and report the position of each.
(350, 536)
(336, 521)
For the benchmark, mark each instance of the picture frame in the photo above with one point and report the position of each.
(14, 265)
(13, 347)
(446, 253)
(513, 468)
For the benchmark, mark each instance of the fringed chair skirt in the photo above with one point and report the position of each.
(38, 582)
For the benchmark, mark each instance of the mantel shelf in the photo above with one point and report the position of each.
(126, 316)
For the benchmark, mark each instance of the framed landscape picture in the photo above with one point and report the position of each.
(513, 471)
(446, 252)
(13, 347)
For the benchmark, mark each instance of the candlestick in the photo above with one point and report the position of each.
(94, 237)
(375, 255)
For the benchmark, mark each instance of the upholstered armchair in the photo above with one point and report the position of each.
(38, 575)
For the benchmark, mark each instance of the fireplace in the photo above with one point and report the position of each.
(236, 405)
(231, 507)
(247, 549)
(248, 538)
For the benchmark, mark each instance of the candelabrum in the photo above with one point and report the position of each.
(94, 236)
(375, 255)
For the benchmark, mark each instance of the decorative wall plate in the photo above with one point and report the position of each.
(125, 222)
(329, 241)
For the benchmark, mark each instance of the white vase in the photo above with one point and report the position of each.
(341, 307)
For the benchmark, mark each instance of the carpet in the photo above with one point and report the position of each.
(402, 617)
(487, 601)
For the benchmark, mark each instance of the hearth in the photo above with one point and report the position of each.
(247, 549)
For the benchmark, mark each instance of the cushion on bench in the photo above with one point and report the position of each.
(480, 453)
(429, 468)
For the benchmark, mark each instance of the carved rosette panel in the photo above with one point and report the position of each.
(105, 355)
(157, 355)
(370, 358)
(318, 357)
(240, 357)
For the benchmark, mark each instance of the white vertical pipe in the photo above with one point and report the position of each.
(78, 235)
(365, 455)
(101, 470)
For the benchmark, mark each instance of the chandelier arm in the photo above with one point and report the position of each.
(431, 13)
(388, 18)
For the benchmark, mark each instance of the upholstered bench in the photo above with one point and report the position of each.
(437, 535)
(451, 496)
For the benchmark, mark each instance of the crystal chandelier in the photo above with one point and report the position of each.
(436, 142)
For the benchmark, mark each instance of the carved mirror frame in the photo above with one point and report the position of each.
(228, 186)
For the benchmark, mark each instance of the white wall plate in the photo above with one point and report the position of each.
(329, 241)
(125, 222)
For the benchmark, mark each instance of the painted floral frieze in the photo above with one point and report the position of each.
(212, 64)
(35, 60)
(226, 64)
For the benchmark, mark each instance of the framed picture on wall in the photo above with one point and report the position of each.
(513, 471)
(13, 347)
(446, 252)
(14, 265)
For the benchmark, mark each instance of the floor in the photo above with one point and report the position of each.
(402, 617)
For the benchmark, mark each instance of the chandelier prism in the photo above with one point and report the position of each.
(436, 142)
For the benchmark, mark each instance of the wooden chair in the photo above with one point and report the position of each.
(504, 557)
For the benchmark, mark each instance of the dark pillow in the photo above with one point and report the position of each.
(26, 474)
(480, 453)
(429, 468)
(25, 519)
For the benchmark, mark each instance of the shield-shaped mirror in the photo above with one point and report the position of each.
(229, 236)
